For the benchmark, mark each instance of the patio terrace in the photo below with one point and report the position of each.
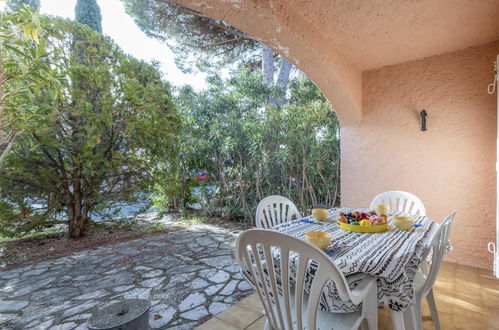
(188, 275)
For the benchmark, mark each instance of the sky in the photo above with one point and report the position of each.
(122, 29)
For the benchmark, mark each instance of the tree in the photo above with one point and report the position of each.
(213, 42)
(231, 131)
(109, 137)
(24, 68)
(189, 32)
(88, 12)
(259, 132)
(15, 5)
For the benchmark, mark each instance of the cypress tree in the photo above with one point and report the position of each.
(88, 12)
(16, 4)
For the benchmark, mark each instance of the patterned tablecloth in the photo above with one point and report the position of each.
(393, 257)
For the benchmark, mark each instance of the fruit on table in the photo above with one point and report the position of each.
(362, 218)
(343, 219)
(365, 222)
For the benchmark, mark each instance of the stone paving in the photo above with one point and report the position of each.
(188, 275)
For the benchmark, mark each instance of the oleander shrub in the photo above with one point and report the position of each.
(251, 148)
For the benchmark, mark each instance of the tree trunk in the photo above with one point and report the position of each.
(10, 143)
(282, 82)
(283, 79)
(78, 224)
(77, 215)
(1, 85)
(268, 64)
(3, 126)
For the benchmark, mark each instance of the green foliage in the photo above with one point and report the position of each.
(193, 37)
(25, 68)
(18, 219)
(15, 5)
(126, 224)
(155, 227)
(88, 12)
(251, 149)
(110, 136)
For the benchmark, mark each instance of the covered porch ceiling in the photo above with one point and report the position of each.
(377, 33)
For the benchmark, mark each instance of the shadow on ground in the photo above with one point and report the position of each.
(188, 275)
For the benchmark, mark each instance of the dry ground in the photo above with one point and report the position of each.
(25, 251)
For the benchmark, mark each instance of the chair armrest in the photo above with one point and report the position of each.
(363, 288)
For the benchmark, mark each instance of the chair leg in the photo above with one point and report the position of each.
(398, 320)
(370, 310)
(267, 325)
(415, 321)
(430, 298)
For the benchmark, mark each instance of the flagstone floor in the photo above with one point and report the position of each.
(188, 275)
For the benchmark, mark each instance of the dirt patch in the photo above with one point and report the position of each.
(25, 251)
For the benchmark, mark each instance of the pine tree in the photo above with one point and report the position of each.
(16, 4)
(88, 12)
(203, 42)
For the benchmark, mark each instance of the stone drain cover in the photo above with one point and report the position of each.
(123, 315)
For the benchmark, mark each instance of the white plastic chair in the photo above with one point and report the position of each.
(423, 283)
(268, 256)
(400, 201)
(274, 210)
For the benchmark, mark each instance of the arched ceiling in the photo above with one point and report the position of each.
(376, 33)
(334, 41)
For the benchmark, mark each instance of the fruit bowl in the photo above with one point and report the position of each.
(363, 229)
(361, 222)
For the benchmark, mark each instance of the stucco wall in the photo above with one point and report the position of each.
(450, 166)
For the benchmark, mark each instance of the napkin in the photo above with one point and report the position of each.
(306, 221)
(332, 252)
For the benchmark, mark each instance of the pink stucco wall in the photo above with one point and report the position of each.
(450, 166)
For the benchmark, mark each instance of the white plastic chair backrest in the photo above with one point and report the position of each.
(274, 210)
(400, 201)
(437, 245)
(267, 257)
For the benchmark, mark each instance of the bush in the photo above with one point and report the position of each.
(251, 149)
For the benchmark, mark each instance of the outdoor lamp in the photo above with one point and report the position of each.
(423, 120)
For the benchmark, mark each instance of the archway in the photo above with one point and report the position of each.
(339, 80)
